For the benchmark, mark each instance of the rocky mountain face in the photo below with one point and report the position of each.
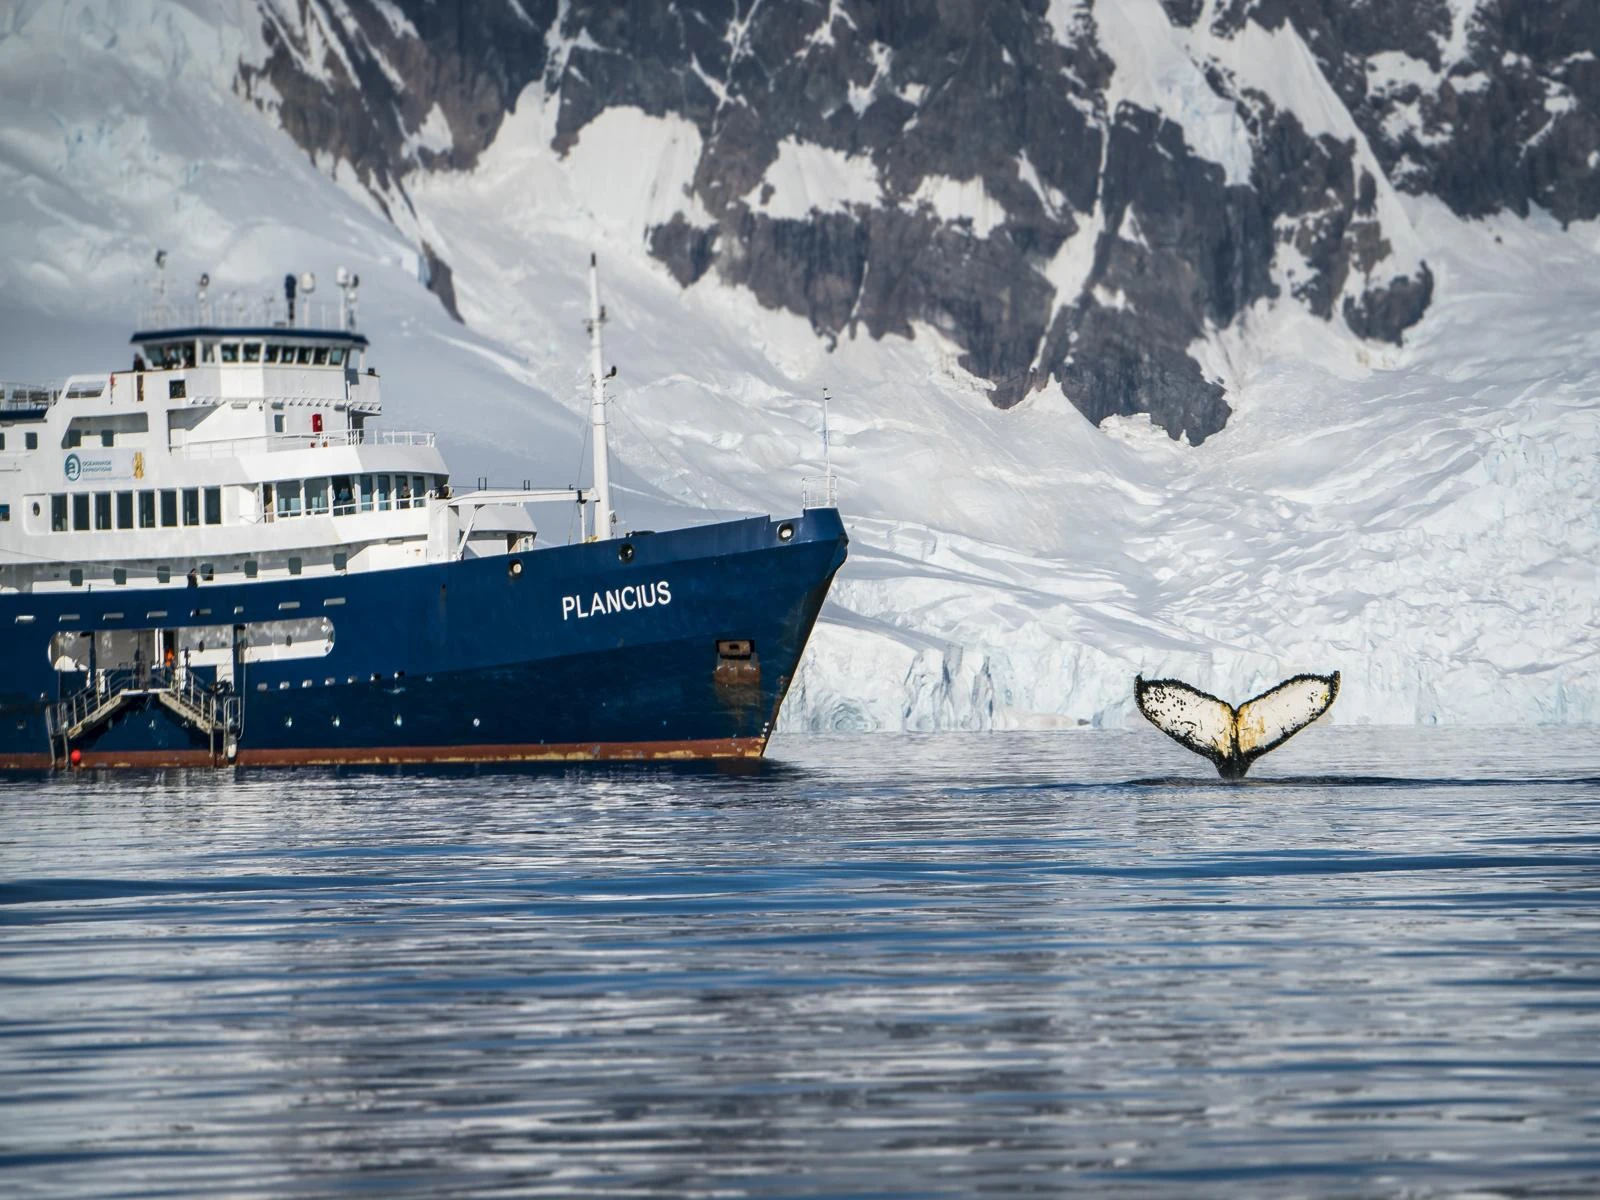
(1068, 190)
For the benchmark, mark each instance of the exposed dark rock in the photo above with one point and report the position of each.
(969, 90)
(441, 280)
(1385, 313)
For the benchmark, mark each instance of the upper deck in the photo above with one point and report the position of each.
(225, 447)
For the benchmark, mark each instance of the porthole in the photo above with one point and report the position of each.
(625, 552)
(515, 569)
(786, 532)
(398, 720)
(475, 723)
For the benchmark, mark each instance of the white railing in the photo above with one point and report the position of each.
(265, 313)
(273, 442)
(22, 396)
(819, 491)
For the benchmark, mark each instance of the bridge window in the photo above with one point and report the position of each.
(102, 510)
(169, 509)
(288, 497)
(230, 352)
(124, 510)
(58, 513)
(305, 356)
(191, 506)
(383, 493)
(344, 500)
(336, 356)
(320, 358)
(252, 352)
(80, 511)
(317, 496)
(366, 493)
(213, 506)
(147, 510)
(208, 352)
(271, 353)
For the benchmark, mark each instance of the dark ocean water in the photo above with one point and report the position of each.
(875, 966)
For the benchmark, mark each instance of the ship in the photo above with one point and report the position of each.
(219, 558)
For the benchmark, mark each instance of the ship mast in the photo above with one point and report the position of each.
(597, 408)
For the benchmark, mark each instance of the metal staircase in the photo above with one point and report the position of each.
(214, 715)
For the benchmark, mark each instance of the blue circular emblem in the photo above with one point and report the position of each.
(74, 468)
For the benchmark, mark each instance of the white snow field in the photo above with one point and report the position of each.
(1421, 519)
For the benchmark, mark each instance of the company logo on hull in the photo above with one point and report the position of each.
(614, 600)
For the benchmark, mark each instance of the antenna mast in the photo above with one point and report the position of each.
(597, 408)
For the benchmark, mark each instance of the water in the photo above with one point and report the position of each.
(886, 966)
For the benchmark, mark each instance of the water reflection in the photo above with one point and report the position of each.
(891, 966)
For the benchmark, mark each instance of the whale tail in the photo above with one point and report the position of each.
(1233, 738)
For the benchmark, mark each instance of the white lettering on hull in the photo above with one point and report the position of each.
(628, 598)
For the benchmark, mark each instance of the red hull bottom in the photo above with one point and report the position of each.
(710, 748)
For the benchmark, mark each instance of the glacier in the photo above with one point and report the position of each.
(1420, 518)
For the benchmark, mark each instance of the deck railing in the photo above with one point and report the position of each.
(272, 442)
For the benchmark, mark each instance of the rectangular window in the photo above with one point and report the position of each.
(251, 568)
(383, 493)
(366, 493)
(169, 509)
(336, 356)
(213, 506)
(341, 560)
(402, 491)
(288, 497)
(124, 510)
(294, 565)
(191, 506)
(317, 496)
(271, 354)
(163, 574)
(80, 511)
(30, 441)
(2, 441)
(74, 439)
(102, 510)
(419, 490)
(5, 512)
(305, 356)
(147, 510)
(119, 575)
(320, 358)
(230, 352)
(252, 352)
(277, 423)
(108, 437)
(175, 389)
(344, 500)
(58, 513)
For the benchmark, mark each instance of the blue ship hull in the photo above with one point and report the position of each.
(682, 649)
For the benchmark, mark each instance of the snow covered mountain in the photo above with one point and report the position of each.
(1206, 337)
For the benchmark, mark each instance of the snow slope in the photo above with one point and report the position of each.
(1422, 520)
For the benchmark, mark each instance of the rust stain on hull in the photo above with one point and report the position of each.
(684, 751)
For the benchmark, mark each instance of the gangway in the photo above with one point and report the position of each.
(213, 714)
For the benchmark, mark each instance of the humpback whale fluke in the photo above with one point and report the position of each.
(1233, 738)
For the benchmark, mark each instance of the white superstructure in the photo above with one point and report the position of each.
(230, 450)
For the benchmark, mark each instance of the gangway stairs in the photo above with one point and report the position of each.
(214, 715)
